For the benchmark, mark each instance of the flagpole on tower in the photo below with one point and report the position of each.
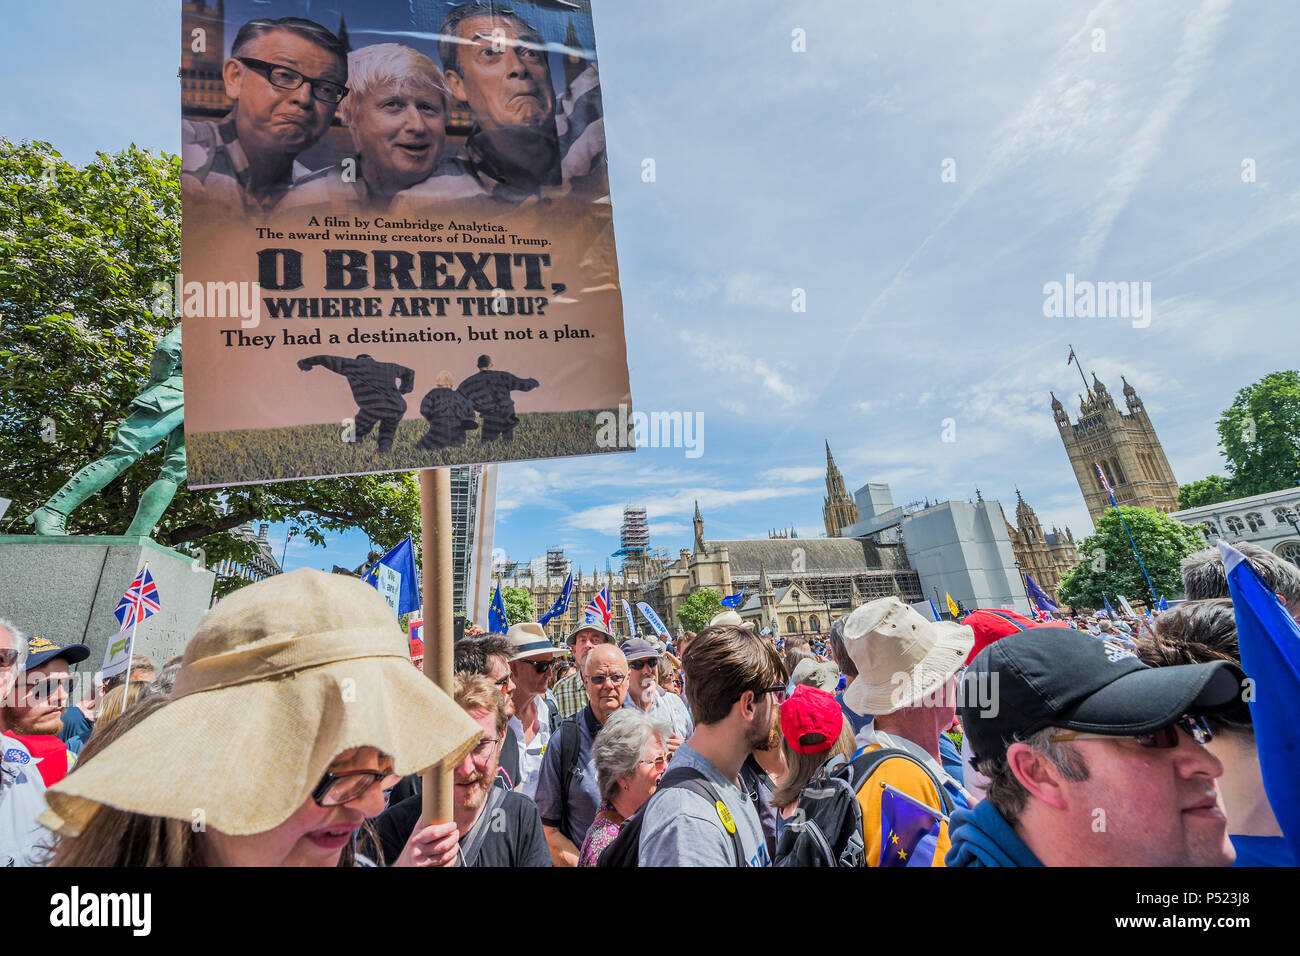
(1079, 365)
(435, 546)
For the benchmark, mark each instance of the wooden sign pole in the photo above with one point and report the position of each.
(435, 546)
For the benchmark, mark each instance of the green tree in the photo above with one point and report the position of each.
(84, 251)
(1260, 435)
(1107, 565)
(1207, 491)
(700, 608)
(519, 605)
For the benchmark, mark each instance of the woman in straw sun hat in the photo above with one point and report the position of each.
(295, 701)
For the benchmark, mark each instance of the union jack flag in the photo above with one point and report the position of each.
(598, 611)
(1106, 484)
(139, 602)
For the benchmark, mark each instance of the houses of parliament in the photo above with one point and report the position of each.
(802, 584)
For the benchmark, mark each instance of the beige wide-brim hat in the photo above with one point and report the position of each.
(279, 679)
(901, 656)
(528, 642)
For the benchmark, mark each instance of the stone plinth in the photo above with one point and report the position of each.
(65, 589)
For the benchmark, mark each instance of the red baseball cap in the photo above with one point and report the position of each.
(990, 626)
(811, 720)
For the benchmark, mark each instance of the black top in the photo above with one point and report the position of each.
(513, 834)
(759, 787)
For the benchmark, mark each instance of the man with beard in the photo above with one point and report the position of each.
(490, 826)
(377, 388)
(737, 685)
(286, 77)
(643, 692)
(568, 794)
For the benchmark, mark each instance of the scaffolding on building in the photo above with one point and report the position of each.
(557, 565)
(634, 542)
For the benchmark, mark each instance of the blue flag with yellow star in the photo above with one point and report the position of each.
(911, 830)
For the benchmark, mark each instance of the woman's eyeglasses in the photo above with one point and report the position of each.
(334, 790)
(659, 762)
(1166, 738)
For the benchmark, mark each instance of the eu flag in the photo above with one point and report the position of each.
(394, 577)
(1040, 596)
(561, 604)
(1269, 640)
(733, 601)
(910, 830)
(497, 614)
(1110, 611)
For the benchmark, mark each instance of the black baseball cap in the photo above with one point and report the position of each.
(1055, 676)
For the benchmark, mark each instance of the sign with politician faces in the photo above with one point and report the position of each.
(398, 246)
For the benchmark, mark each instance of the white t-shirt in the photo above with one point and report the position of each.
(22, 800)
(530, 754)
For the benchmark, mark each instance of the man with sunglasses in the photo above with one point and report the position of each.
(568, 794)
(33, 711)
(534, 715)
(643, 692)
(1093, 758)
(287, 78)
(22, 791)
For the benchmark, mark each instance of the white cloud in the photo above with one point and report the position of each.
(721, 356)
(794, 475)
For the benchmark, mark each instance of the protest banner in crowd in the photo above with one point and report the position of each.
(398, 247)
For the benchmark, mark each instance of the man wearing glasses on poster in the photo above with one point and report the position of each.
(287, 78)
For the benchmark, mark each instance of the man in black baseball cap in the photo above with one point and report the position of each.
(1093, 758)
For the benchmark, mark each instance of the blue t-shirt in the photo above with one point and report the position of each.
(1261, 851)
(76, 729)
(950, 757)
(856, 721)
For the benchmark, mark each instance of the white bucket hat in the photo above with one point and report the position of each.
(901, 656)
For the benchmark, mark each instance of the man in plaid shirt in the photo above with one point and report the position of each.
(570, 694)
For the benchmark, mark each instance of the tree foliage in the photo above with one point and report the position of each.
(700, 608)
(1207, 491)
(1107, 565)
(519, 605)
(1260, 435)
(81, 249)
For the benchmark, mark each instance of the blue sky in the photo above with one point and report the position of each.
(1114, 156)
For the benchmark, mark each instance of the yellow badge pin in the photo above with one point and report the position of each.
(725, 816)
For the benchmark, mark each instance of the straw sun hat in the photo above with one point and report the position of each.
(901, 656)
(279, 679)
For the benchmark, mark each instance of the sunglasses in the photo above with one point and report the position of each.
(1166, 738)
(8, 656)
(599, 679)
(334, 790)
(643, 663)
(782, 693)
(47, 688)
(541, 666)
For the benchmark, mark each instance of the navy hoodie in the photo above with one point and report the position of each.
(981, 837)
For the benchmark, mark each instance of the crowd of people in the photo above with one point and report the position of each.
(294, 731)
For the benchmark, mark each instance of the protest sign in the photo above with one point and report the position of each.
(398, 247)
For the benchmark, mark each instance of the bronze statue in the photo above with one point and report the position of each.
(157, 413)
